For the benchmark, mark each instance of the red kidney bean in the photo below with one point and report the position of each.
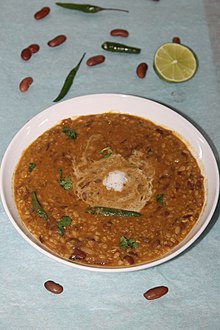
(129, 259)
(119, 33)
(142, 70)
(78, 254)
(94, 60)
(156, 292)
(25, 83)
(42, 13)
(34, 48)
(176, 40)
(53, 287)
(26, 54)
(58, 40)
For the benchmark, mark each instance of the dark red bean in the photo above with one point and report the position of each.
(53, 287)
(94, 60)
(129, 259)
(34, 48)
(155, 293)
(119, 33)
(42, 13)
(26, 54)
(78, 254)
(176, 40)
(25, 84)
(142, 70)
(58, 40)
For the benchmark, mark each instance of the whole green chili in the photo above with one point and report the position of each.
(86, 8)
(120, 48)
(69, 80)
(111, 212)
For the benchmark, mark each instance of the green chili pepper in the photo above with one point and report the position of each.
(69, 80)
(37, 207)
(86, 8)
(120, 48)
(109, 212)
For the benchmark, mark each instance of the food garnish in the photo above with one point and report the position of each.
(127, 243)
(70, 133)
(64, 182)
(31, 167)
(160, 199)
(62, 223)
(109, 212)
(37, 207)
(106, 152)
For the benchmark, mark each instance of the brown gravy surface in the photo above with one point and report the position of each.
(157, 177)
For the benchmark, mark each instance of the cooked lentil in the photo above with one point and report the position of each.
(164, 183)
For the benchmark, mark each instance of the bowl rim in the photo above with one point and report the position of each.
(86, 99)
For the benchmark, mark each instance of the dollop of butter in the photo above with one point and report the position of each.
(115, 180)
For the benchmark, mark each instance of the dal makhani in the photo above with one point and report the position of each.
(109, 190)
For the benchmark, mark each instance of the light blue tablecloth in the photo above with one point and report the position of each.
(94, 300)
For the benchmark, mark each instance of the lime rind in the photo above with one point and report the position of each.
(175, 62)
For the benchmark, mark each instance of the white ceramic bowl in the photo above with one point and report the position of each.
(99, 103)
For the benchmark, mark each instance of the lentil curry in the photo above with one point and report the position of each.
(108, 190)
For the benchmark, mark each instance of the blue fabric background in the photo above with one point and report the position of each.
(93, 300)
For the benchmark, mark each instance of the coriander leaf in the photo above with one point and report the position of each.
(37, 206)
(123, 242)
(132, 243)
(64, 182)
(31, 167)
(70, 133)
(62, 223)
(106, 152)
(160, 199)
(126, 243)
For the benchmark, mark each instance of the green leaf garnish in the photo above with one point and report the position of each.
(70, 133)
(64, 182)
(126, 243)
(160, 199)
(37, 206)
(62, 223)
(31, 167)
(106, 152)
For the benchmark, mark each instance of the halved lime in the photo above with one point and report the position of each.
(175, 62)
